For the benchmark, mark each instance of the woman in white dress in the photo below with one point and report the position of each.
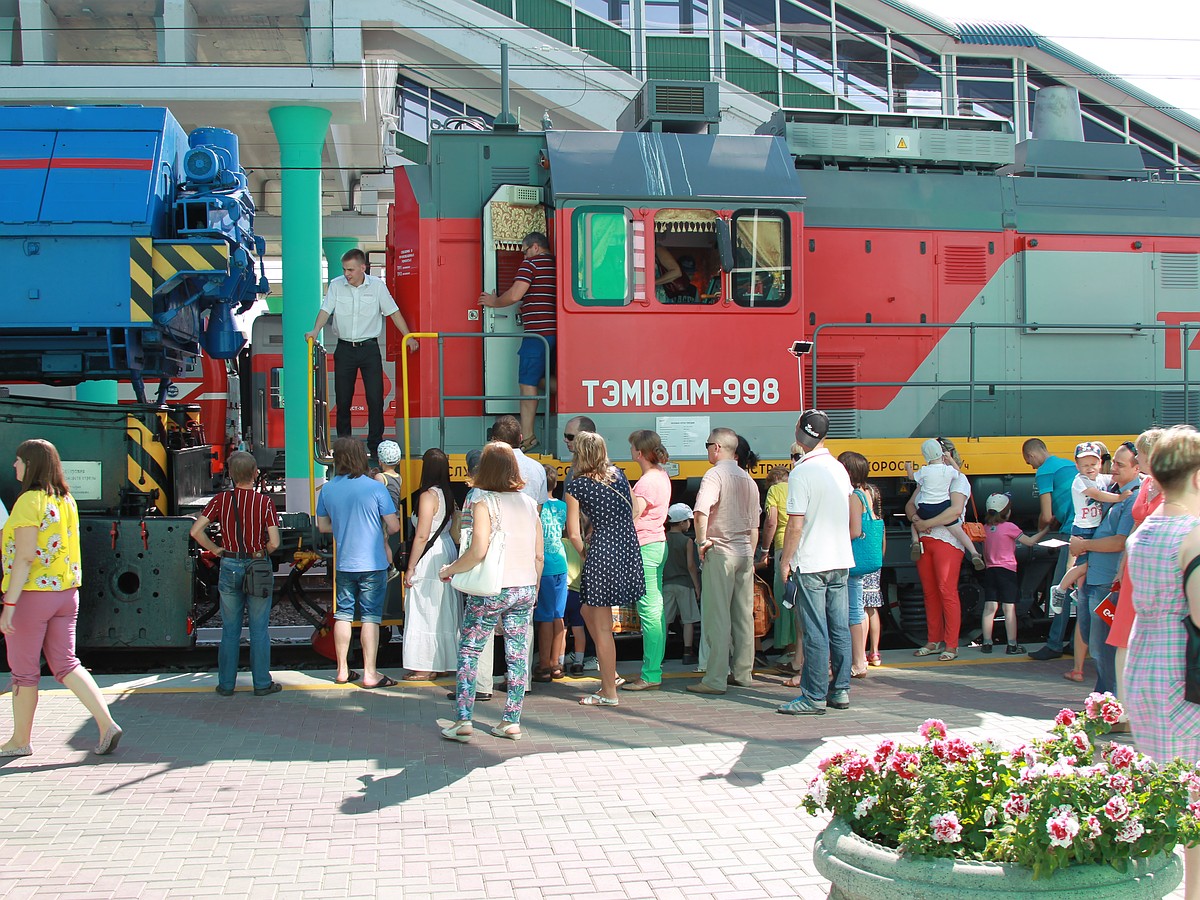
(432, 608)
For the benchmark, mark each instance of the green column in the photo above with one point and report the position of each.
(300, 131)
(96, 392)
(334, 248)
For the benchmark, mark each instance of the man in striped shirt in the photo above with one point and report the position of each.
(535, 287)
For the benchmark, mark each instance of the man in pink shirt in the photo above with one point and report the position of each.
(726, 515)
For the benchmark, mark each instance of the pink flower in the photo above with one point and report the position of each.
(905, 764)
(1079, 739)
(1121, 756)
(884, 751)
(931, 729)
(1104, 707)
(1119, 782)
(1062, 827)
(1094, 828)
(939, 748)
(1117, 808)
(1131, 831)
(828, 761)
(946, 828)
(1016, 806)
(856, 767)
(958, 750)
(1065, 717)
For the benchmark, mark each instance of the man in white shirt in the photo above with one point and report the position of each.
(818, 555)
(508, 429)
(359, 302)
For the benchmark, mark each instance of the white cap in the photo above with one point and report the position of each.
(932, 450)
(998, 502)
(679, 512)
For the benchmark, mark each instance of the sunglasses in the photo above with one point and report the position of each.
(1131, 447)
(796, 457)
(568, 437)
(708, 445)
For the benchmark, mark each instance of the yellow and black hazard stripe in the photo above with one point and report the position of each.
(171, 259)
(141, 279)
(147, 460)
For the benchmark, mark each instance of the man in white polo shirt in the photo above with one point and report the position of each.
(818, 555)
(359, 302)
(508, 429)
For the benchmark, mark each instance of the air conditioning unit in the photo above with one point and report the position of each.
(681, 107)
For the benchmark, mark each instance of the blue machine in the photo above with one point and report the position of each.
(126, 245)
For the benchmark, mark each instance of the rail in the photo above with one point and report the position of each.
(441, 337)
(973, 383)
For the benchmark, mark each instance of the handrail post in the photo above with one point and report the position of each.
(1187, 388)
(312, 438)
(434, 335)
(971, 388)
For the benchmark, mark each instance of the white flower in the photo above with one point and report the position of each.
(865, 805)
(946, 828)
(1131, 831)
(989, 816)
(1062, 826)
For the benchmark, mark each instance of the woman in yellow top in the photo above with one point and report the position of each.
(771, 547)
(41, 562)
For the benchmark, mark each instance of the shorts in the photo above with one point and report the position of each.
(1000, 585)
(680, 599)
(854, 588)
(574, 611)
(367, 590)
(532, 358)
(1077, 531)
(928, 511)
(551, 598)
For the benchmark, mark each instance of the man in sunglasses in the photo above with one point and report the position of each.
(570, 430)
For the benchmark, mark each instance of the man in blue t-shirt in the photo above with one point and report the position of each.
(350, 507)
(1104, 549)
(1053, 477)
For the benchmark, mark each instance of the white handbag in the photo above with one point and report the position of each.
(486, 578)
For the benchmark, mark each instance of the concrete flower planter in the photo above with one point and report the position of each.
(861, 870)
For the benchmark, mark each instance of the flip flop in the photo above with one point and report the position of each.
(354, 676)
(383, 682)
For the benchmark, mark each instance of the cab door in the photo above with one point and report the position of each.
(512, 212)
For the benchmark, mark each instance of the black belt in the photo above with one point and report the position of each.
(225, 554)
(360, 343)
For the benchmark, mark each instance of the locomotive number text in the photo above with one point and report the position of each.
(687, 392)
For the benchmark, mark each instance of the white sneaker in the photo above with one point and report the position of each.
(591, 664)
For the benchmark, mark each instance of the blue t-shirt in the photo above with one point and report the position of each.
(554, 520)
(1054, 477)
(355, 506)
(1102, 567)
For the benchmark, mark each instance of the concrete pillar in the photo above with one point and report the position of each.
(96, 392)
(39, 35)
(177, 46)
(300, 131)
(334, 247)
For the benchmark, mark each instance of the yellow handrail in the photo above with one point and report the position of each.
(433, 335)
(312, 462)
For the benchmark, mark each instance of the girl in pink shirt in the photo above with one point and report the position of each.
(651, 497)
(1000, 583)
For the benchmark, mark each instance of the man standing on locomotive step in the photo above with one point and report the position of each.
(358, 302)
(535, 287)
(818, 555)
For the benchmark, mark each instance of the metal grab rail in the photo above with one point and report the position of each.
(440, 337)
(973, 382)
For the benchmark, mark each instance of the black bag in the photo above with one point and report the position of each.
(1191, 656)
(259, 578)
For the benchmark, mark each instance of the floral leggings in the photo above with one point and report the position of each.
(513, 607)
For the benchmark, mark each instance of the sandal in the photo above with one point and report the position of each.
(416, 676)
(543, 676)
(854, 673)
(385, 681)
(599, 700)
(456, 733)
(793, 682)
(510, 730)
(528, 444)
(948, 655)
(930, 649)
(874, 659)
(557, 673)
(1074, 675)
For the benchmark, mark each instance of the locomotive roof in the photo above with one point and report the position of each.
(658, 165)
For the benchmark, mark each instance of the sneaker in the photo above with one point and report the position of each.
(1014, 649)
(273, 688)
(838, 700)
(574, 663)
(689, 658)
(1046, 653)
(1058, 598)
(985, 647)
(393, 573)
(801, 706)
(591, 664)
(978, 563)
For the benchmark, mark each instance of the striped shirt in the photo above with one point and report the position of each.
(541, 299)
(258, 514)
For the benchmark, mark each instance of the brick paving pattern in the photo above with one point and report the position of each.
(324, 791)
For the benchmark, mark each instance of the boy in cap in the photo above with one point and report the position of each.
(1090, 490)
(933, 497)
(681, 578)
(389, 456)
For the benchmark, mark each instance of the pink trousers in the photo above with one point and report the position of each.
(44, 622)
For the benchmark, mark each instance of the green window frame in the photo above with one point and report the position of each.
(602, 256)
(762, 258)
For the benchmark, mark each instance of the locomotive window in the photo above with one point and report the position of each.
(276, 389)
(761, 254)
(686, 267)
(601, 258)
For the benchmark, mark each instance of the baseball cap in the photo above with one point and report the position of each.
(388, 453)
(998, 502)
(932, 450)
(473, 457)
(679, 512)
(1089, 448)
(812, 427)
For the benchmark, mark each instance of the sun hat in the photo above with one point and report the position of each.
(389, 453)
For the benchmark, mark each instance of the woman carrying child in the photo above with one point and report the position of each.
(934, 481)
(1000, 584)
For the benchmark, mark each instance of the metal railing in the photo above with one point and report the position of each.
(974, 383)
(441, 337)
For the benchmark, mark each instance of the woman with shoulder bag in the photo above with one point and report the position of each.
(868, 542)
(506, 545)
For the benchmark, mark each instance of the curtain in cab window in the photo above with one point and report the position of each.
(601, 257)
(762, 265)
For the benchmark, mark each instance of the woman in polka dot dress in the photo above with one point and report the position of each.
(613, 574)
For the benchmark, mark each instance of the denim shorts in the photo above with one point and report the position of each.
(532, 358)
(367, 589)
(854, 587)
(551, 598)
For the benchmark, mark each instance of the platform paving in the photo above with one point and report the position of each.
(331, 791)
